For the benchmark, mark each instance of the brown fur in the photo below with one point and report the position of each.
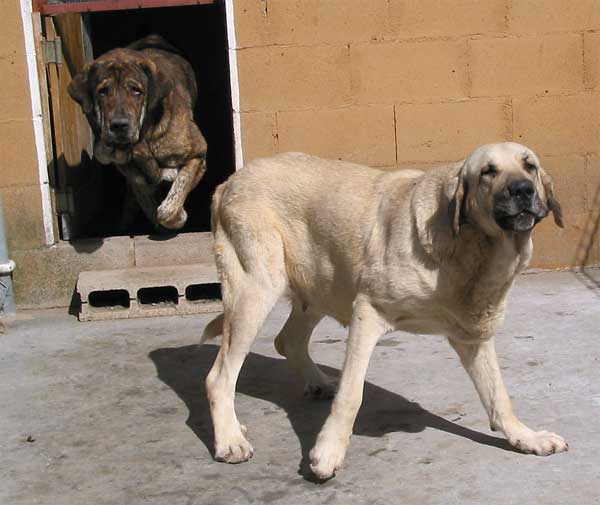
(139, 102)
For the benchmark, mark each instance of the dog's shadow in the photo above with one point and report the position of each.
(184, 370)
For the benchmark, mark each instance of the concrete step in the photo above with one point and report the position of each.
(148, 291)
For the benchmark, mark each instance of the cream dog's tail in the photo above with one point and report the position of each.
(213, 329)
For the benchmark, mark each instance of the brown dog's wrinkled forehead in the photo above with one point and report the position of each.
(119, 62)
(503, 155)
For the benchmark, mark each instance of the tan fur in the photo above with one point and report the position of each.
(379, 252)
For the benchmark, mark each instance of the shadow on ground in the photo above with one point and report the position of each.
(184, 369)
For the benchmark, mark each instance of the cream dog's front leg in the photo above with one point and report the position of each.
(481, 363)
(365, 329)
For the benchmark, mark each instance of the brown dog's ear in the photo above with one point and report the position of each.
(552, 202)
(456, 204)
(80, 91)
(159, 86)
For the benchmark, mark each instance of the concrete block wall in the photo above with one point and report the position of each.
(395, 83)
(19, 174)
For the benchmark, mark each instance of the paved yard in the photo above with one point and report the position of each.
(115, 413)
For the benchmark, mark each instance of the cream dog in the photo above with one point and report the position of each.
(428, 253)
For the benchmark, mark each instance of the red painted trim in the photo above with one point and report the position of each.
(43, 7)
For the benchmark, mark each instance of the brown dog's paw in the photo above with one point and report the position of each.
(170, 218)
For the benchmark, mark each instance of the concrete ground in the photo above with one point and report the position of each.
(114, 412)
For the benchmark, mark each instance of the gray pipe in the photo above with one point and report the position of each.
(7, 301)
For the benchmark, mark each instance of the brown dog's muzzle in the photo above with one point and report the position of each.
(120, 131)
(519, 207)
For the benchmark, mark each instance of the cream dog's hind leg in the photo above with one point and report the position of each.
(365, 329)
(292, 342)
(481, 363)
(250, 289)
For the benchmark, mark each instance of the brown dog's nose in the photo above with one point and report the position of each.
(119, 125)
(521, 189)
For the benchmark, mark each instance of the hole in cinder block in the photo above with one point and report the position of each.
(203, 292)
(110, 298)
(160, 295)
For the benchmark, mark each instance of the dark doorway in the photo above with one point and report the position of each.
(199, 32)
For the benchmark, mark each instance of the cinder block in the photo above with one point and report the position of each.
(423, 166)
(569, 176)
(592, 60)
(251, 26)
(558, 125)
(19, 152)
(12, 40)
(329, 22)
(450, 130)
(546, 16)
(361, 134)
(22, 206)
(403, 71)
(259, 134)
(577, 243)
(423, 18)
(295, 77)
(183, 249)
(519, 66)
(15, 99)
(259, 23)
(592, 185)
(145, 292)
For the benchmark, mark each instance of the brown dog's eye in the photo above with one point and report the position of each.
(489, 170)
(103, 91)
(135, 90)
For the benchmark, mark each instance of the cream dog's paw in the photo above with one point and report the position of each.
(325, 389)
(327, 456)
(236, 449)
(541, 443)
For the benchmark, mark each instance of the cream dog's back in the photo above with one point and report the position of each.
(321, 212)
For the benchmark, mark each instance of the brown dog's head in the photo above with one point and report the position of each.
(117, 92)
(503, 187)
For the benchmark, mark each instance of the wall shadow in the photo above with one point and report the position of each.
(184, 369)
(587, 256)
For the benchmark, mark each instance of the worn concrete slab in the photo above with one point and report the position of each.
(181, 249)
(115, 413)
(46, 277)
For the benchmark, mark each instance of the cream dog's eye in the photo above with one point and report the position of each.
(490, 170)
(530, 167)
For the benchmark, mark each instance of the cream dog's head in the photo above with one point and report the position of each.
(503, 187)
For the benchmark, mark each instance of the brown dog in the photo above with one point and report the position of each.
(139, 102)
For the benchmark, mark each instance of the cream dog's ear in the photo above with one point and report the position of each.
(551, 200)
(455, 208)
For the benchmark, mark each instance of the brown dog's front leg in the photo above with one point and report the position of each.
(171, 213)
(481, 363)
(150, 169)
(144, 194)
